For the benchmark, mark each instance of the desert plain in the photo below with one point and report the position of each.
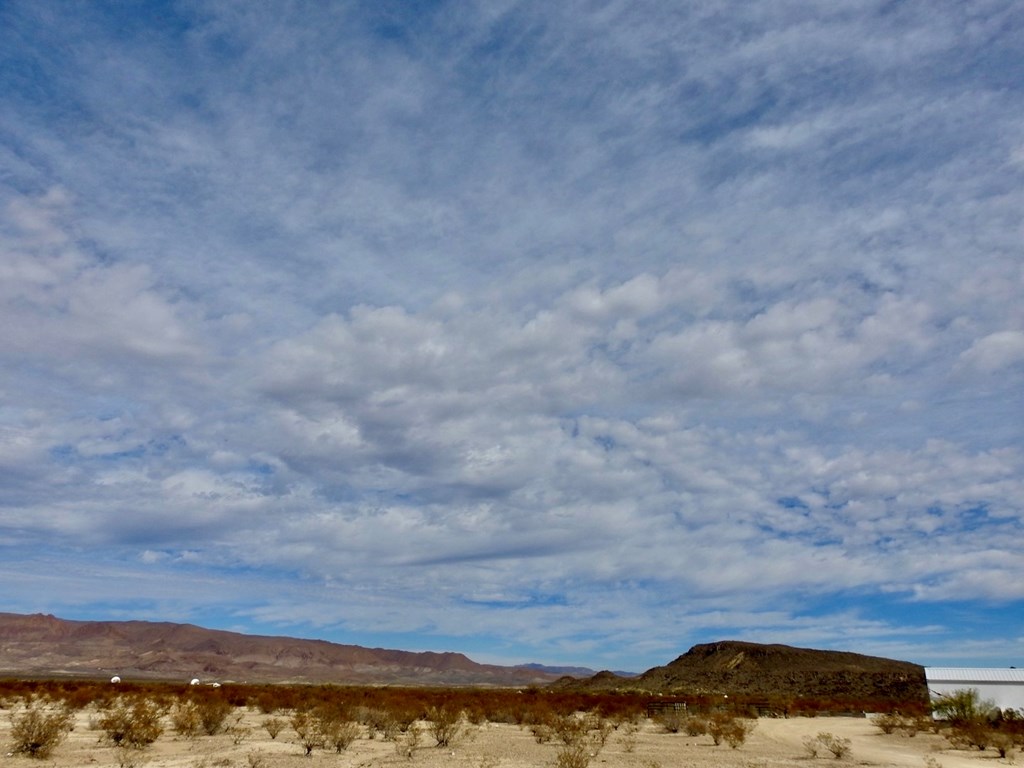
(773, 743)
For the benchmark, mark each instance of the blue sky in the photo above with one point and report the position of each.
(569, 332)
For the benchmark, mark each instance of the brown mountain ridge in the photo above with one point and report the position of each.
(44, 645)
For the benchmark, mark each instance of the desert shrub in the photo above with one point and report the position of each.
(505, 716)
(971, 720)
(536, 712)
(273, 726)
(238, 733)
(325, 725)
(185, 719)
(963, 705)
(908, 725)
(408, 745)
(914, 724)
(379, 721)
(1001, 742)
(445, 724)
(132, 722)
(266, 702)
(671, 720)
(212, 712)
(306, 727)
(36, 732)
(827, 742)
(131, 758)
(967, 734)
(887, 723)
(812, 746)
(573, 756)
(476, 713)
(1011, 722)
(339, 734)
(629, 731)
(718, 725)
(601, 728)
(542, 732)
(570, 729)
(837, 745)
(695, 726)
(391, 728)
(76, 696)
(724, 726)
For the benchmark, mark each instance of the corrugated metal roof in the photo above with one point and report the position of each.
(974, 675)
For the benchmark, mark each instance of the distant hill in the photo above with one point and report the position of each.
(770, 672)
(43, 645)
(570, 671)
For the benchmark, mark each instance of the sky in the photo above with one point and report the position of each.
(572, 333)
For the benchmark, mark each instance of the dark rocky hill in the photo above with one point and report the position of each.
(43, 646)
(773, 672)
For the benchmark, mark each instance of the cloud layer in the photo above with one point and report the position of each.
(574, 334)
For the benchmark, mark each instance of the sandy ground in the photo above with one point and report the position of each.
(773, 743)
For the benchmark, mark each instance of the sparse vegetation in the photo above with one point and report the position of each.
(212, 712)
(407, 746)
(695, 726)
(628, 737)
(672, 720)
(907, 725)
(339, 734)
(837, 745)
(961, 706)
(571, 729)
(185, 719)
(888, 722)
(971, 721)
(812, 746)
(445, 724)
(576, 755)
(542, 732)
(37, 729)
(131, 721)
(306, 727)
(326, 725)
(724, 726)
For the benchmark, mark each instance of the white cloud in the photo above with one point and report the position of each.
(523, 325)
(995, 351)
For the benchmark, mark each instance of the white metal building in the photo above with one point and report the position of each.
(1003, 686)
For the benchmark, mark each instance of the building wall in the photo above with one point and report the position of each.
(1004, 688)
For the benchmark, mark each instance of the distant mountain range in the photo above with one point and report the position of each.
(45, 646)
(573, 671)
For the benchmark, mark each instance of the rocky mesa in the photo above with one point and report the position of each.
(773, 672)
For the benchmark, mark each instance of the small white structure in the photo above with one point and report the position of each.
(1003, 686)
(115, 679)
(195, 681)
